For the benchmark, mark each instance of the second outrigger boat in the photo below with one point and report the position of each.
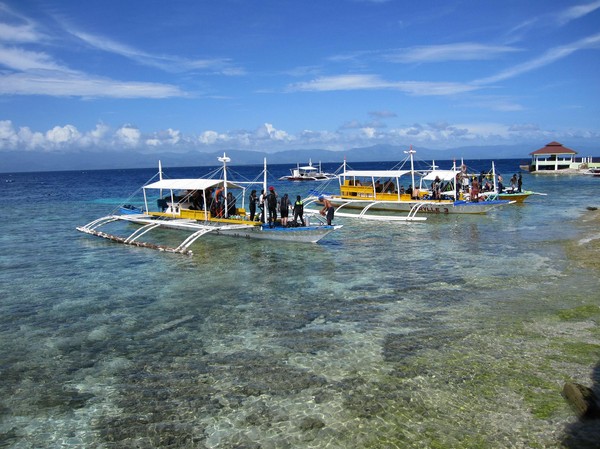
(382, 190)
(307, 173)
(186, 207)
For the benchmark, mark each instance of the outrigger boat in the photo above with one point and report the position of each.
(307, 173)
(181, 212)
(592, 172)
(512, 193)
(381, 190)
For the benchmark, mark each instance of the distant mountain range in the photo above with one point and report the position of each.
(28, 161)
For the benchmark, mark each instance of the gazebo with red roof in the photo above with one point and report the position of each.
(554, 156)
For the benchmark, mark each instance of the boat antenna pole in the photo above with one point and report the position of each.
(265, 178)
(412, 166)
(225, 159)
(160, 176)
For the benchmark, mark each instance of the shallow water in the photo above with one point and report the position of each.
(458, 332)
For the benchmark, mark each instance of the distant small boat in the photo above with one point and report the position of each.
(128, 209)
(307, 173)
(592, 172)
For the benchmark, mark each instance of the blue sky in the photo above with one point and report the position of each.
(276, 75)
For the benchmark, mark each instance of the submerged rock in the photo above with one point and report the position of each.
(583, 400)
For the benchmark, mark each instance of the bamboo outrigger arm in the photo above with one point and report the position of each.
(116, 238)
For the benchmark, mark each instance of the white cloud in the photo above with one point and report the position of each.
(8, 136)
(369, 132)
(31, 140)
(23, 60)
(268, 138)
(17, 28)
(128, 135)
(61, 84)
(18, 33)
(31, 72)
(166, 63)
(374, 82)
(268, 131)
(169, 137)
(462, 51)
(576, 12)
(551, 56)
(61, 135)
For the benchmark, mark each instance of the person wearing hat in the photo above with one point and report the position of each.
(272, 206)
(327, 210)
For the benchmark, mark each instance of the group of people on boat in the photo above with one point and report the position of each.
(216, 202)
(269, 204)
(474, 185)
(516, 184)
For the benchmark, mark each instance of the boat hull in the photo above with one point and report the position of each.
(518, 197)
(301, 234)
(430, 207)
(305, 234)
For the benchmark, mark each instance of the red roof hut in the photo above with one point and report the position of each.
(554, 156)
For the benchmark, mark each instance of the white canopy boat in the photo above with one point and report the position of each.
(307, 173)
(190, 206)
(367, 191)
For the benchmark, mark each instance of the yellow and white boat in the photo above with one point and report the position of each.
(187, 207)
(366, 191)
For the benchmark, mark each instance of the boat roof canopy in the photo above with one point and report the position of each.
(375, 173)
(444, 175)
(189, 184)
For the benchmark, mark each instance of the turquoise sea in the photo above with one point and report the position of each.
(456, 332)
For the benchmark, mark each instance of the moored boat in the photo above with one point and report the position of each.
(592, 172)
(307, 173)
(516, 195)
(514, 192)
(366, 191)
(191, 206)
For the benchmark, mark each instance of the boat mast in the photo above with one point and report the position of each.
(225, 159)
(265, 179)
(160, 192)
(494, 177)
(412, 166)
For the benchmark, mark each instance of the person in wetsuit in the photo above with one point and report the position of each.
(299, 210)
(252, 201)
